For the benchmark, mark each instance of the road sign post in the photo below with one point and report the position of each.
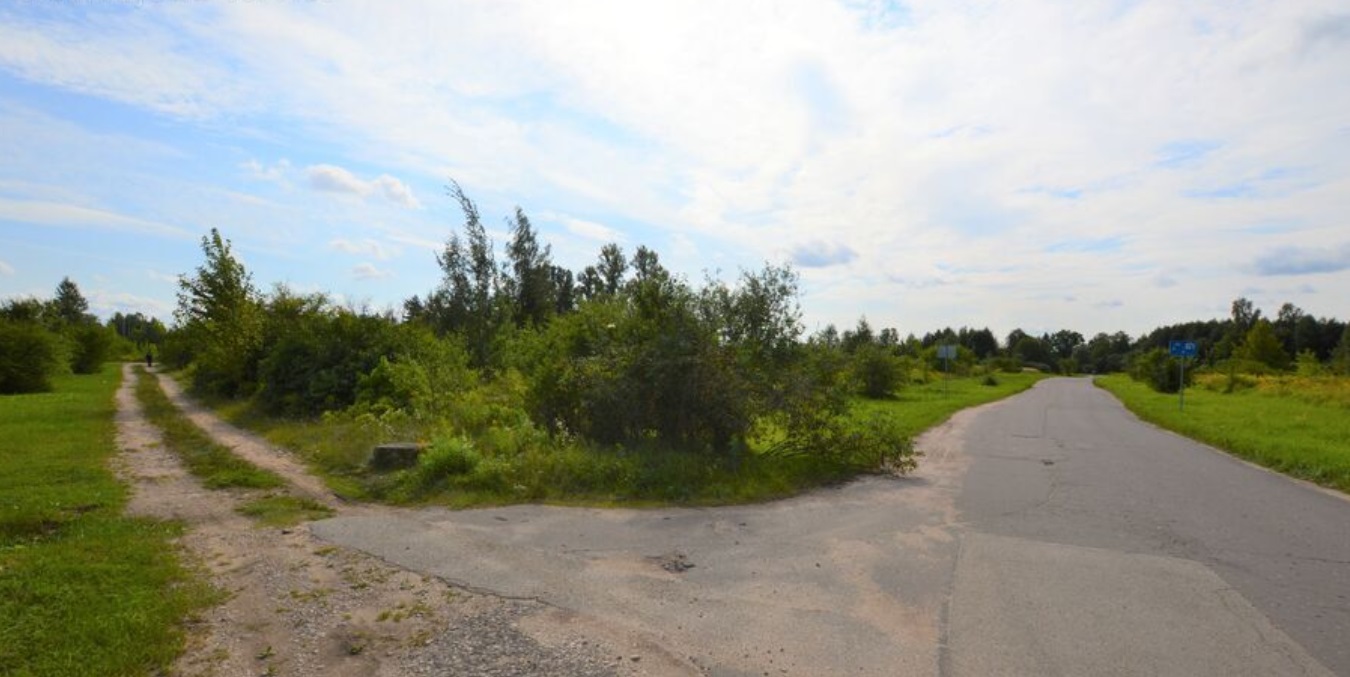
(946, 354)
(1182, 350)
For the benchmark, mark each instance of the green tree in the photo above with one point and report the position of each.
(1340, 358)
(859, 336)
(1032, 350)
(877, 371)
(564, 288)
(1261, 345)
(1062, 343)
(611, 269)
(528, 279)
(221, 314)
(70, 307)
(466, 301)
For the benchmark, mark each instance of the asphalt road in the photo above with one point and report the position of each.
(1050, 534)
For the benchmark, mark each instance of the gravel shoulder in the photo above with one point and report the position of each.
(297, 605)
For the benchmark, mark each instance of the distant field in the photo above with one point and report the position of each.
(83, 590)
(1296, 425)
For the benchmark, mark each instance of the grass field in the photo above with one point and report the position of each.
(1298, 426)
(83, 590)
(512, 465)
(920, 407)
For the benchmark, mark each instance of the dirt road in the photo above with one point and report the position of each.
(295, 605)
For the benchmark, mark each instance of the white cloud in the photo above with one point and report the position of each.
(368, 271)
(366, 247)
(162, 277)
(6, 270)
(946, 135)
(132, 60)
(75, 216)
(589, 230)
(104, 303)
(334, 179)
(275, 172)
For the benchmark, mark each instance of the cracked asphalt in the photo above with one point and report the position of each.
(1051, 533)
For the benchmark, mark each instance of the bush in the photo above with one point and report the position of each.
(1159, 370)
(615, 374)
(29, 357)
(1008, 365)
(877, 372)
(428, 377)
(91, 344)
(318, 366)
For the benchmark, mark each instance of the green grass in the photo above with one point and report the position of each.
(83, 589)
(518, 463)
(214, 464)
(1282, 428)
(282, 510)
(919, 407)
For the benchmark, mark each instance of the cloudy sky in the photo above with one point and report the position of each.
(1099, 166)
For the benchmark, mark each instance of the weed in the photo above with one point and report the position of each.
(283, 510)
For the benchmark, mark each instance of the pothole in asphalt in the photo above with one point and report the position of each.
(674, 562)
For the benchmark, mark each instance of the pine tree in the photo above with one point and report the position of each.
(70, 307)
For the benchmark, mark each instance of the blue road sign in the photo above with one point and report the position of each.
(1183, 348)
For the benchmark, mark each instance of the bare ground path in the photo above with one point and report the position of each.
(297, 605)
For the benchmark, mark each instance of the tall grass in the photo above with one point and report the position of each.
(83, 589)
(1296, 425)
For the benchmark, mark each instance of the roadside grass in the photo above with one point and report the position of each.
(83, 589)
(283, 510)
(214, 464)
(515, 462)
(919, 407)
(1296, 425)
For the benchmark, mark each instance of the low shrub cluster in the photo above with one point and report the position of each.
(43, 339)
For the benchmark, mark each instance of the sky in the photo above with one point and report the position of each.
(1097, 166)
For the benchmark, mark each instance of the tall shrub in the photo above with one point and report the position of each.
(29, 357)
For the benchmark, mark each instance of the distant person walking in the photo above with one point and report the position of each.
(149, 359)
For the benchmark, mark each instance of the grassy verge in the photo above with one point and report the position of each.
(518, 463)
(83, 590)
(1298, 430)
(922, 406)
(219, 468)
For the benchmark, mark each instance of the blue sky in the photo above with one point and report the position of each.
(1099, 166)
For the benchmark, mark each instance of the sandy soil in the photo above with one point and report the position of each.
(298, 606)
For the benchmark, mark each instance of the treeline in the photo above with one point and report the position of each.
(622, 353)
(1245, 343)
